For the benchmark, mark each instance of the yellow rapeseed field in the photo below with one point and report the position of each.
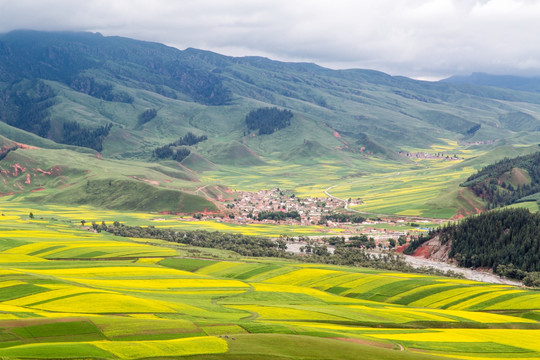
(401, 315)
(285, 313)
(265, 287)
(527, 339)
(165, 284)
(303, 276)
(64, 292)
(8, 283)
(117, 272)
(149, 260)
(519, 303)
(160, 348)
(19, 258)
(445, 297)
(466, 304)
(104, 303)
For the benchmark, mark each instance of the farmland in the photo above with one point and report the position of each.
(94, 132)
(426, 185)
(72, 293)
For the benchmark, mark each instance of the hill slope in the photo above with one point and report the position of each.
(502, 240)
(129, 99)
(502, 81)
(68, 177)
(50, 81)
(508, 181)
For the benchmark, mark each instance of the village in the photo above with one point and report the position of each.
(426, 155)
(246, 206)
(250, 208)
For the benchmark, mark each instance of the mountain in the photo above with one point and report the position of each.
(504, 241)
(147, 103)
(502, 81)
(88, 90)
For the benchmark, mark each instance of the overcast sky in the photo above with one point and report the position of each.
(427, 39)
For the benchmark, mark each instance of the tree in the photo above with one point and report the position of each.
(281, 244)
(31, 215)
(268, 120)
(181, 154)
(146, 116)
(392, 243)
(83, 222)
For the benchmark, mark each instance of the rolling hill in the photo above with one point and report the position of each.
(53, 79)
(508, 181)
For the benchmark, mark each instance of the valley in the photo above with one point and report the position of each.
(159, 203)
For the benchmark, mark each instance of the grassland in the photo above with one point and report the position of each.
(68, 292)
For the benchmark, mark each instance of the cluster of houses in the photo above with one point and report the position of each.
(246, 206)
(425, 155)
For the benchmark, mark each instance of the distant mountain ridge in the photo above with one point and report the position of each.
(521, 83)
(44, 76)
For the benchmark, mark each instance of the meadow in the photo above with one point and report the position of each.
(68, 292)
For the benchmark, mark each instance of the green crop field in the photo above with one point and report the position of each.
(71, 293)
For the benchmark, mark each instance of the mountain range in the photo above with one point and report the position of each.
(142, 114)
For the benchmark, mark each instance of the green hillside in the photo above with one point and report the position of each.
(126, 98)
(57, 79)
(64, 177)
(508, 181)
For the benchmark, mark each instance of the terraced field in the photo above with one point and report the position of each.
(66, 292)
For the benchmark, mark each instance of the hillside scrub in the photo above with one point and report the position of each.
(173, 151)
(146, 116)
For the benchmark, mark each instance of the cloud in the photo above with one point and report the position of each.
(419, 38)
